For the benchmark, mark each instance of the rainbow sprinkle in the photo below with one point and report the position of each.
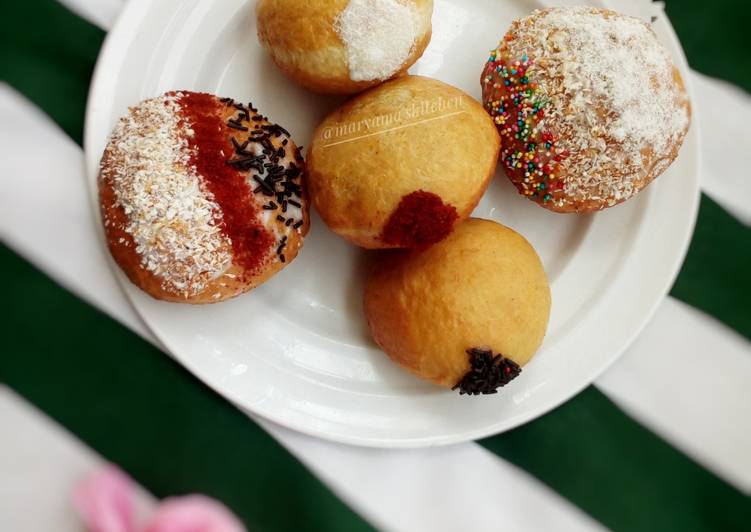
(530, 155)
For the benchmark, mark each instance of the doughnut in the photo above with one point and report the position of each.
(590, 107)
(467, 313)
(202, 198)
(343, 46)
(399, 165)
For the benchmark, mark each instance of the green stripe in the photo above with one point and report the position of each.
(48, 54)
(714, 277)
(126, 399)
(714, 36)
(141, 410)
(619, 472)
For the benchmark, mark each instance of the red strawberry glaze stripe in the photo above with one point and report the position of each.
(252, 242)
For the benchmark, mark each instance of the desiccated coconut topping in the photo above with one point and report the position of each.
(172, 218)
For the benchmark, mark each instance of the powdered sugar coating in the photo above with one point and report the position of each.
(611, 97)
(172, 218)
(379, 35)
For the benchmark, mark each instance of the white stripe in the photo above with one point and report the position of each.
(687, 378)
(39, 465)
(460, 487)
(102, 13)
(725, 116)
(59, 237)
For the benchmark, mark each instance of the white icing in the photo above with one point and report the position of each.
(379, 36)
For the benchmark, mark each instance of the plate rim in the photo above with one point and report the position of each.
(109, 61)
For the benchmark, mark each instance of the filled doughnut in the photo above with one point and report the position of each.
(590, 107)
(344, 46)
(400, 165)
(201, 198)
(466, 313)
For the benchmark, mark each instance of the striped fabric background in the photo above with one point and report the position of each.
(140, 409)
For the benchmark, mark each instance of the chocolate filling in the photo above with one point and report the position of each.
(487, 372)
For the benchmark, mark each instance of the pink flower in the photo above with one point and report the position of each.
(193, 513)
(105, 503)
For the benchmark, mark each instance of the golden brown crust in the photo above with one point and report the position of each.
(234, 281)
(301, 39)
(482, 287)
(365, 157)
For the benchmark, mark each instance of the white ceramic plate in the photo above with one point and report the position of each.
(297, 350)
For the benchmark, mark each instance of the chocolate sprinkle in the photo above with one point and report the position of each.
(272, 178)
(293, 172)
(260, 181)
(234, 125)
(282, 245)
(487, 373)
(266, 143)
(244, 160)
(239, 147)
(276, 130)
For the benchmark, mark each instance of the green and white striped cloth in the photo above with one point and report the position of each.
(584, 465)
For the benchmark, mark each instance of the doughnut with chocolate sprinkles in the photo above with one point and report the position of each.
(191, 188)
